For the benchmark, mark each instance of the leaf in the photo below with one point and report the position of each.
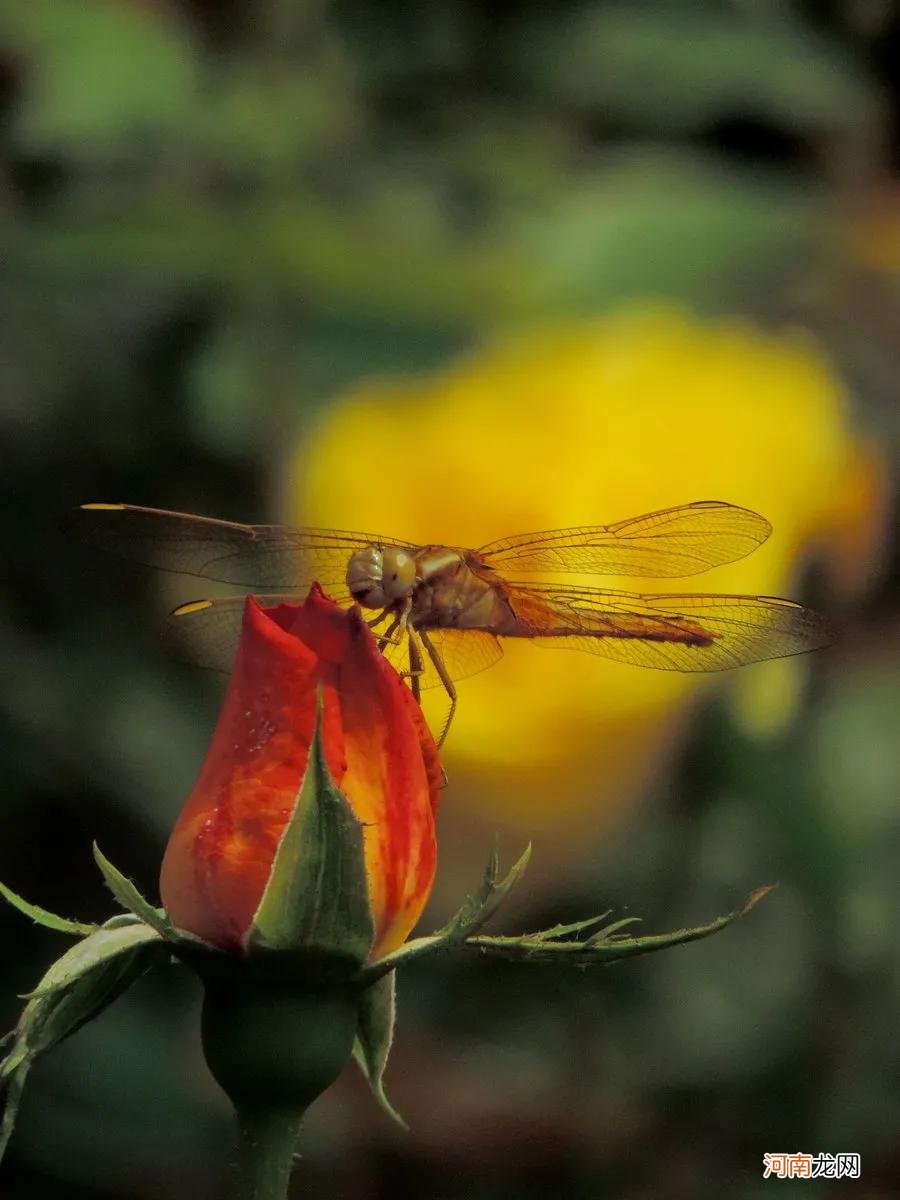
(683, 67)
(143, 76)
(373, 1039)
(317, 896)
(130, 898)
(607, 944)
(607, 240)
(41, 916)
(79, 985)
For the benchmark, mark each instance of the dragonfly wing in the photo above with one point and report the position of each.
(674, 632)
(205, 632)
(672, 542)
(254, 556)
(463, 652)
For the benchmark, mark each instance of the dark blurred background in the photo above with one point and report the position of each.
(223, 224)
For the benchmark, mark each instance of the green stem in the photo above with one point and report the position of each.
(268, 1138)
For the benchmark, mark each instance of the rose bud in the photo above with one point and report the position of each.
(315, 724)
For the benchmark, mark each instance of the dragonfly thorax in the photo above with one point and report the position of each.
(380, 575)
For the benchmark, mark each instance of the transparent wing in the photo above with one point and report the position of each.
(205, 632)
(674, 632)
(254, 556)
(463, 652)
(672, 542)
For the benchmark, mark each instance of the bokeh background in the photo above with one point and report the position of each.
(454, 271)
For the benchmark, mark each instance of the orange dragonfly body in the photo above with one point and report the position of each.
(441, 609)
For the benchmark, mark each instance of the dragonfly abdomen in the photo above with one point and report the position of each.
(536, 616)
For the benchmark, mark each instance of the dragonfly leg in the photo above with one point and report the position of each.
(416, 666)
(393, 635)
(387, 638)
(376, 621)
(445, 679)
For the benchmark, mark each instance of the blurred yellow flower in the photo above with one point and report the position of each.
(583, 423)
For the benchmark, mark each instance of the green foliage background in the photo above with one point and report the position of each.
(214, 217)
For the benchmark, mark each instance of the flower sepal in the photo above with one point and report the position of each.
(102, 964)
(374, 1036)
(316, 900)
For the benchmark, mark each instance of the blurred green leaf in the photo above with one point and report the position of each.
(100, 75)
(330, 256)
(719, 241)
(678, 67)
(268, 119)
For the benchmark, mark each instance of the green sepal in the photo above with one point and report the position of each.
(317, 896)
(130, 898)
(79, 986)
(41, 916)
(605, 945)
(474, 914)
(91, 953)
(478, 909)
(374, 1035)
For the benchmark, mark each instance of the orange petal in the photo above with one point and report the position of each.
(220, 853)
(389, 786)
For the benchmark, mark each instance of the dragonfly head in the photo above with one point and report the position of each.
(380, 575)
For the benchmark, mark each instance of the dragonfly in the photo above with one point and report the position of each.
(441, 611)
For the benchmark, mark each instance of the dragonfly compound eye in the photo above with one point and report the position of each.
(364, 578)
(398, 573)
